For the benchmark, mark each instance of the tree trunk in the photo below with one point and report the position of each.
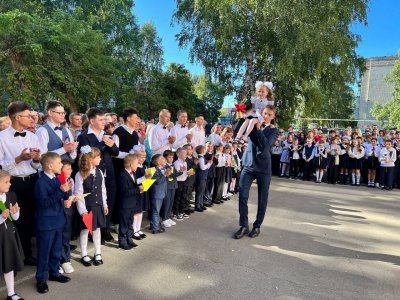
(71, 102)
(248, 81)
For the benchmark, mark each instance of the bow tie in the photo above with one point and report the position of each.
(57, 128)
(183, 126)
(131, 172)
(22, 134)
(164, 127)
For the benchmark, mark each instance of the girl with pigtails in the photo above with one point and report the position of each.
(262, 97)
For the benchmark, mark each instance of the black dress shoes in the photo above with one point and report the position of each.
(203, 208)
(142, 235)
(132, 243)
(254, 232)
(42, 287)
(161, 230)
(216, 202)
(30, 261)
(198, 209)
(15, 295)
(59, 278)
(108, 237)
(97, 261)
(241, 232)
(86, 262)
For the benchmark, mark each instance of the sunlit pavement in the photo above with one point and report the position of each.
(318, 241)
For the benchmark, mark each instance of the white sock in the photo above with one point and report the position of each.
(353, 178)
(83, 241)
(225, 193)
(358, 179)
(321, 174)
(139, 221)
(134, 225)
(97, 241)
(9, 279)
(317, 175)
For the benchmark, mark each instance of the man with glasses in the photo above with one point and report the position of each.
(20, 155)
(55, 137)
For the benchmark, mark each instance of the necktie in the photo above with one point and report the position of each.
(57, 128)
(22, 134)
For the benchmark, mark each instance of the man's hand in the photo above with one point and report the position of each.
(25, 155)
(189, 137)
(108, 140)
(70, 146)
(35, 153)
(171, 139)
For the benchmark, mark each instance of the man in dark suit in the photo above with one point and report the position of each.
(95, 136)
(257, 165)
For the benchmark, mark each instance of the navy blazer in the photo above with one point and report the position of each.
(262, 142)
(128, 190)
(159, 187)
(106, 164)
(50, 213)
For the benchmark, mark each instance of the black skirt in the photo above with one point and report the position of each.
(99, 219)
(11, 253)
(355, 163)
(344, 161)
(373, 163)
(320, 162)
(228, 174)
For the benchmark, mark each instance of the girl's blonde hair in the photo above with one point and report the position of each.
(4, 174)
(85, 162)
(270, 96)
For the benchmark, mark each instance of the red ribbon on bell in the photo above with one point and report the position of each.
(240, 107)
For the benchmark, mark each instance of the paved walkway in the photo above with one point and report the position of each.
(318, 242)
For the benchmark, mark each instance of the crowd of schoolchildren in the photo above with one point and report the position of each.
(63, 180)
(343, 157)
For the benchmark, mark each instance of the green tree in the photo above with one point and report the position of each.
(210, 96)
(288, 42)
(59, 57)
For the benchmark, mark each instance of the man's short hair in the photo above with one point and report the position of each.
(52, 104)
(93, 112)
(181, 111)
(16, 107)
(129, 111)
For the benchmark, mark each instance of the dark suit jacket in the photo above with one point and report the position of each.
(262, 142)
(106, 164)
(50, 198)
(128, 190)
(159, 187)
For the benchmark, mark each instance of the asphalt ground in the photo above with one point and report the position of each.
(318, 241)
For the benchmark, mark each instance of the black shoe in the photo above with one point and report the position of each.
(72, 247)
(96, 261)
(108, 237)
(198, 209)
(59, 278)
(11, 297)
(241, 232)
(30, 261)
(203, 207)
(142, 235)
(42, 287)
(254, 232)
(138, 238)
(131, 243)
(161, 230)
(216, 202)
(125, 247)
(86, 263)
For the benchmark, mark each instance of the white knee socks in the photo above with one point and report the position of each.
(9, 279)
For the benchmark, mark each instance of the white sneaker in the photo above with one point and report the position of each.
(166, 224)
(61, 271)
(171, 222)
(230, 194)
(377, 184)
(68, 269)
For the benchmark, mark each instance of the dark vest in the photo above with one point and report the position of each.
(308, 151)
(55, 142)
(92, 184)
(201, 174)
(126, 143)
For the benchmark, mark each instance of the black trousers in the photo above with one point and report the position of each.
(26, 201)
(181, 197)
(333, 172)
(209, 189)
(294, 167)
(111, 190)
(219, 183)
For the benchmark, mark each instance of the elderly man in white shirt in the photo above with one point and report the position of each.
(198, 132)
(181, 131)
(159, 137)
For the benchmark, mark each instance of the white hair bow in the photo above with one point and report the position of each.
(137, 148)
(86, 149)
(268, 84)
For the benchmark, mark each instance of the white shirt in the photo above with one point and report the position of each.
(11, 147)
(221, 160)
(158, 139)
(368, 150)
(199, 136)
(203, 165)
(99, 136)
(214, 139)
(179, 133)
(44, 138)
(78, 190)
(178, 164)
(385, 153)
(122, 154)
(15, 216)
